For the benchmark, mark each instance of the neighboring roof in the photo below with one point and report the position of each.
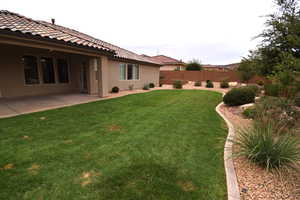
(165, 59)
(18, 23)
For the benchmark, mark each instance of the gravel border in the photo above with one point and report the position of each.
(233, 192)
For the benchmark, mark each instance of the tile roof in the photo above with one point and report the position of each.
(18, 23)
(166, 60)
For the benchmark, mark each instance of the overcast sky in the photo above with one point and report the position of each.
(213, 31)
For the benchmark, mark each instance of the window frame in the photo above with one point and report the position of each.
(68, 71)
(134, 67)
(37, 68)
(42, 70)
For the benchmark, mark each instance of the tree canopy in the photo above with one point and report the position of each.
(194, 65)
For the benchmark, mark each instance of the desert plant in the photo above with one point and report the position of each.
(209, 84)
(239, 96)
(151, 85)
(115, 89)
(260, 83)
(177, 84)
(262, 146)
(250, 112)
(273, 89)
(224, 84)
(131, 87)
(146, 87)
(197, 83)
(281, 110)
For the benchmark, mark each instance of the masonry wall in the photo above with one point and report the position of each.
(217, 76)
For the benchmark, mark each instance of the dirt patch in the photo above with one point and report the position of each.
(43, 118)
(8, 166)
(68, 141)
(34, 169)
(256, 183)
(87, 178)
(187, 186)
(114, 127)
(25, 137)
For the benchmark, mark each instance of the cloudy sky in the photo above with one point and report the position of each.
(213, 31)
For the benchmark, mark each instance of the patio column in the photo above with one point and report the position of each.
(103, 76)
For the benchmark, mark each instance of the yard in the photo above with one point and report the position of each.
(156, 145)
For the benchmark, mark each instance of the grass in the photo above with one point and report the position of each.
(156, 145)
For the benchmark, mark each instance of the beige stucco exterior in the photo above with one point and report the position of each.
(172, 67)
(12, 82)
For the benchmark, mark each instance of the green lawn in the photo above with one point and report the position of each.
(156, 145)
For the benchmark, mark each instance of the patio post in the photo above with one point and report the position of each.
(102, 76)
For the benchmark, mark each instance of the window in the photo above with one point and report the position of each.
(63, 71)
(122, 71)
(48, 70)
(31, 70)
(129, 72)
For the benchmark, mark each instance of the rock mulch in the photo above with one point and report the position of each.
(256, 183)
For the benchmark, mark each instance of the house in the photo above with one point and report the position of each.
(168, 63)
(41, 58)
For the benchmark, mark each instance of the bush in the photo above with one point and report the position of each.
(254, 88)
(151, 85)
(272, 89)
(177, 84)
(239, 96)
(250, 113)
(224, 84)
(209, 84)
(146, 87)
(131, 87)
(194, 65)
(115, 90)
(197, 83)
(160, 85)
(260, 83)
(267, 149)
(280, 110)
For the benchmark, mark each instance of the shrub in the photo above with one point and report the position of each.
(194, 65)
(272, 89)
(151, 85)
(146, 87)
(160, 85)
(209, 84)
(254, 88)
(267, 149)
(197, 83)
(224, 84)
(260, 83)
(281, 110)
(250, 113)
(177, 84)
(115, 90)
(239, 96)
(131, 87)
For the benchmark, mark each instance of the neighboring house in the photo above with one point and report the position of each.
(220, 67)
(168, 63)
(39, 58)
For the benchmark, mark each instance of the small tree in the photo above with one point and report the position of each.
(247, 69)
(194, 65)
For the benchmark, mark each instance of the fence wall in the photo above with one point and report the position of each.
(168, 77)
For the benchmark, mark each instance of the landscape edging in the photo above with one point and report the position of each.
(231, 178)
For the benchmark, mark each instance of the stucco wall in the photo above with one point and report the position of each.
(148, 74)
(12, 80)
(171, 67)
